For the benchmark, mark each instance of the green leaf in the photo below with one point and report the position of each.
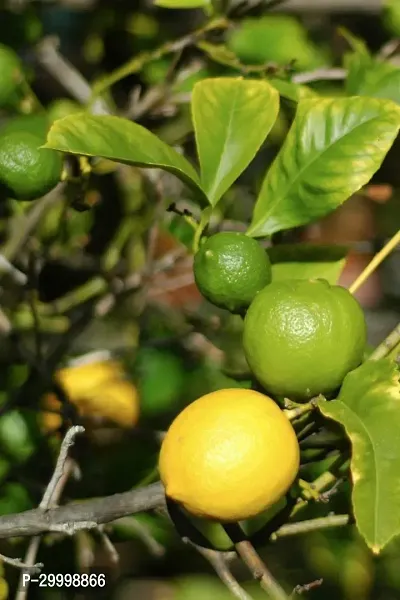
(231, 117)
(307, 261)
(368, 407)
(292, 91)
(376, 79)
(333, 148)
(182, 3)
(119, 140)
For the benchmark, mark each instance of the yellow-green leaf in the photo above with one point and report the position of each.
(368, 407)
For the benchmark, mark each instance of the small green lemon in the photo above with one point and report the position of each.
(230, 269)
(301, 337)
(11, 75)
(26, 170)
(63, 107)
(161, 379)
(37, 124)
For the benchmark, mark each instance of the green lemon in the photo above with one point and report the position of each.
(161, 379)
(37, 124)
(230, 269)
(11, 75)
(63, 107)
(301, 337)
(26, 170)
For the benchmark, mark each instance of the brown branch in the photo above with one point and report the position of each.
(219, 562)
(253, 561)
(82, 515)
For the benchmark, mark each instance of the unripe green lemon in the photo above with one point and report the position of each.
(26, 170)
(11, 74)
(301, 337)
(37, 124)
(63, 107)
(230, 269)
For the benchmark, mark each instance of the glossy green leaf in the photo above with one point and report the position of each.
(119, 140)
(182, 3)
(231, 117)
(307, 261)
(333, 148)
(368, 407)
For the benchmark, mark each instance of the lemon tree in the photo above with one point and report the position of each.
(309, 408)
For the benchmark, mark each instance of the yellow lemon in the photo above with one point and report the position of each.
(99, 391)
(80, 380)
(229, 455)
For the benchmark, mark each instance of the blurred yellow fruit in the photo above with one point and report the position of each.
(229, 455)
(100, 393)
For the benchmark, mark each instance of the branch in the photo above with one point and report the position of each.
(320, 75)
(252, 560)
(219, 562)
(82, 515)
(328, 522)
(387, 345)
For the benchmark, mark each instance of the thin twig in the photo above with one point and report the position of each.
(320, 75)
(387, 345)
(252, 560)
(20, 564)
(219, 562)
(64, 467)
(331, 521)
(375, 262)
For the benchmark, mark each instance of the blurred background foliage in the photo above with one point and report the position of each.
(98, 234)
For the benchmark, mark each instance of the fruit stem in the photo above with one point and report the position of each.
(252, 560)
(388, 344)
(204, 219)
(375, 262)
(297, 410)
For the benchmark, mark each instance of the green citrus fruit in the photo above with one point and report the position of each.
(63, 107)
(301, 337)
(230, 269)
(11, 74)
(37, 124)
(26, 170)
(161, 379)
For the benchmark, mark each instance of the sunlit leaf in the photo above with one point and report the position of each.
(231, 117)
(333, 148)
(368, 407)
(119, 140)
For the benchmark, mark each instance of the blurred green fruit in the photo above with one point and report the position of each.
(38, 124)
(63, 107)
(161, 379)
(11, 75)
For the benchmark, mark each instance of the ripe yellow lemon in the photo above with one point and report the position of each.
(100, 393)
(229, 455)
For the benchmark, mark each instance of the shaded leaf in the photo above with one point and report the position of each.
(368, 407)
(182, 3)
(333, 148)
(231, 117)
(307, 261)
(119, 140)
(292, 91)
